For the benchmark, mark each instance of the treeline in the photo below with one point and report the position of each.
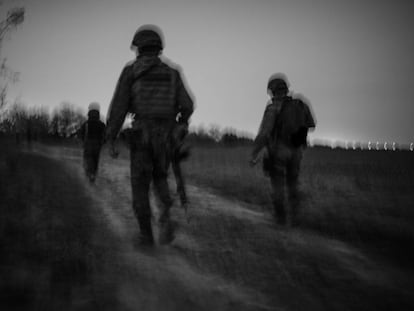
(213, 135)
(39, 124)
(36, 124)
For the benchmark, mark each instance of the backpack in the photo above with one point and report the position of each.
(291, 124)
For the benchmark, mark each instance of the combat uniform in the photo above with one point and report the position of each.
(92, 133)
(283, 132)
(155, 94)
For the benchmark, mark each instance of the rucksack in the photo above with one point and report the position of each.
(290, 124)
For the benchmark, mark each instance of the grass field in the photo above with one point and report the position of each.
(48, 229)
(364, 197)
(46, 234)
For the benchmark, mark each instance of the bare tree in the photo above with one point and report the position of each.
(17, 116)
(66, 120)
(3, 96)
(15, 17)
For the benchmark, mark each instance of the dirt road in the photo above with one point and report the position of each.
(229, 257)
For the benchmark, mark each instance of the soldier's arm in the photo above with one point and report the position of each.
(185, 104)
(119, 104)
(265, 130)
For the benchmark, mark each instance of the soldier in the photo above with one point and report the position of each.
(283, 133)
(154, 92)
(92, 133)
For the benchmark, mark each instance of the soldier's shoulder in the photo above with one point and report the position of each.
(297, 104)
(128, 67)
(301, 100)
(130, 63)
(270, 106)
(127, 70)
(170, 65)
(271, 109)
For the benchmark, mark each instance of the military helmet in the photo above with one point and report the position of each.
(277, 84)
(93, 106)
(148, 35)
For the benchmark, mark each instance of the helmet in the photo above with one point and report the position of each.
(148, 35)
(93, 106)
(277, 84)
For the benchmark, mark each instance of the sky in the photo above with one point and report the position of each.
(352, 60)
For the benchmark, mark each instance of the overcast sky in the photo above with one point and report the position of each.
(353, 60)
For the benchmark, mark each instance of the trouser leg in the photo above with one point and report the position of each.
(90, 159)
(292, 179)
(140, 183)
(96, 154)
(166, 234)
(163, 192)
(140, 196)
(278, 180)
(278, 185)
(88, 163)
(294, 199)
(161, 162)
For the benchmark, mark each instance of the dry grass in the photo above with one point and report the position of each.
(46, 235)
(364, 198)
(360, 196)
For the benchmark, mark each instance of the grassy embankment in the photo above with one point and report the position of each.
(48, 253)
(364, 197)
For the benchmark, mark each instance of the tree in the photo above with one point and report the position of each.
(17, 120)
(214, 132)
(15, 17)
(66, 120)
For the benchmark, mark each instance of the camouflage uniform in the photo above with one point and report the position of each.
(179, 150)
(155, 94)
(283, 132)
(92, 133)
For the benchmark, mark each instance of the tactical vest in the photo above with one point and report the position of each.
(153, 93)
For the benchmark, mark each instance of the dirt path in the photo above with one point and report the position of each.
(229, 257)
